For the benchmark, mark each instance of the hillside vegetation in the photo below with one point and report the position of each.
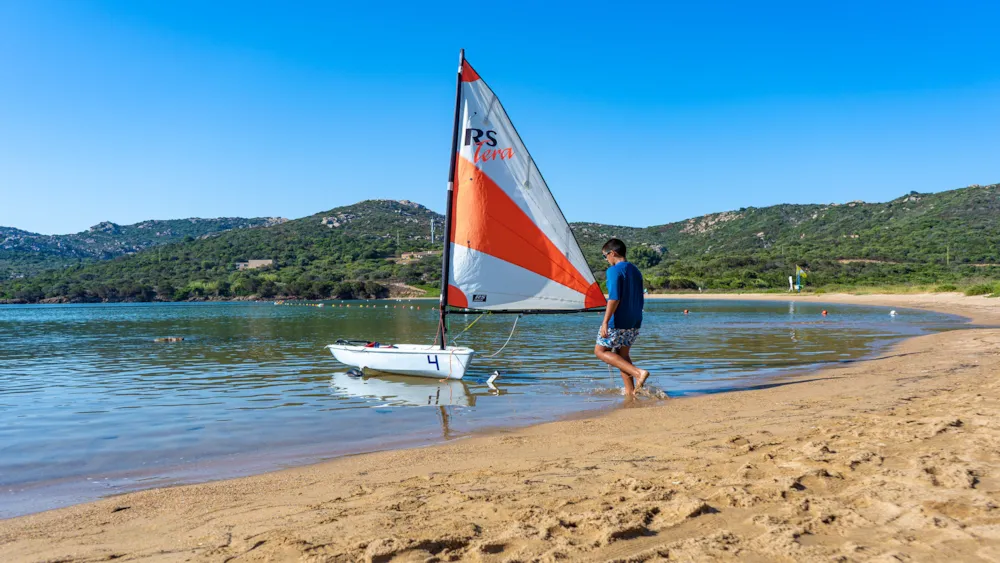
(948, 238)
(916, 238)
(341, 252)
(23, 253)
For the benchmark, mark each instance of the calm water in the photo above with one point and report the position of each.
(90, 405)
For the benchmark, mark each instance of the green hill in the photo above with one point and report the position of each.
(351, 251)
(311, 257)
(924, 238)
(23, 253)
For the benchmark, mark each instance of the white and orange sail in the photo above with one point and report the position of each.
(510, 246)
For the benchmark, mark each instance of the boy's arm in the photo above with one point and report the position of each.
(613, 282)
(610, 310)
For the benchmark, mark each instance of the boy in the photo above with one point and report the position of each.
(623, 316)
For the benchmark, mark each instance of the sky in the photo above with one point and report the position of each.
(637, 114)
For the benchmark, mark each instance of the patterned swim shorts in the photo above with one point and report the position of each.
(618, 337)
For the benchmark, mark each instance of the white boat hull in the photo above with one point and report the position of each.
(418, 360)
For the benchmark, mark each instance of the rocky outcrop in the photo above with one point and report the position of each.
(105, 227)
(707, 223)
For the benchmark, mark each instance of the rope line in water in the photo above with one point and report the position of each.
(459, 335)
(473, 323)
(508, 338)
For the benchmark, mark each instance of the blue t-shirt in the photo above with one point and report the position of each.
(625, 285)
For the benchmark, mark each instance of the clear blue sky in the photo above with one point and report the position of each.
(130, 110)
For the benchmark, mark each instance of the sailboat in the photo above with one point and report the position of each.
(509, 248)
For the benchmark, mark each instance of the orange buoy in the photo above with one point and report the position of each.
(685, 311)
(824, 312)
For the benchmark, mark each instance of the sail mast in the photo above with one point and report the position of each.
(446, 259)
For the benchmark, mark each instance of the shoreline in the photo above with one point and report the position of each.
(822, 464)
(978, 309)
(61, 301)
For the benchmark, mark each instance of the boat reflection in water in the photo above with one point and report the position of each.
(400, 390)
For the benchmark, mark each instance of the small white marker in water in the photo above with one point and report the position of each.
(892, 313)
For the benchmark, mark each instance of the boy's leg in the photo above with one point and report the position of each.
(640, 378)
(626, 377)
(605, 354)
(609, 357)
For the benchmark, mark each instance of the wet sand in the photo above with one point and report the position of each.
(896, 458)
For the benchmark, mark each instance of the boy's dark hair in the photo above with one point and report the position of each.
(614, 245)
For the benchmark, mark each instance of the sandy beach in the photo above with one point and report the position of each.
(895, 458)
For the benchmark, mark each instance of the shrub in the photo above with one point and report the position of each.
(945, 288)
(643, 257)
(655, 282)
(682, 283)
(268, 289)
(979, 289)
(376, 290)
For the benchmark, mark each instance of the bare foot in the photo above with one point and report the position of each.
(643, 374)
